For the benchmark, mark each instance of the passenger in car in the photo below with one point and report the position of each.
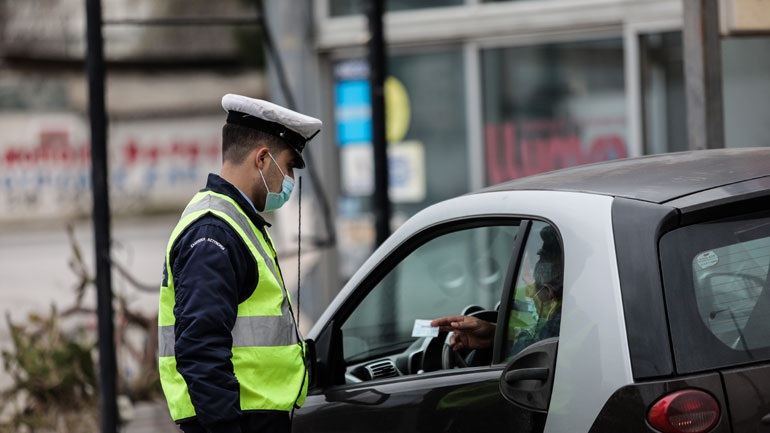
(470, 332)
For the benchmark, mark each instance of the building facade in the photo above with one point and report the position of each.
(480, 92)
(164, 81)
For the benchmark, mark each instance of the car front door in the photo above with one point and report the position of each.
(378, 369)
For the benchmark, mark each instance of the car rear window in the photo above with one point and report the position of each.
(715, 279)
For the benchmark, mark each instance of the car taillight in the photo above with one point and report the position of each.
(686, 411)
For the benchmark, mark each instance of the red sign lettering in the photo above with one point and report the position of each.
(531, 147)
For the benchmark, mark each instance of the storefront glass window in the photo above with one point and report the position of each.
(552, 106)
(663, 94)
(351, 7)
(427, 135)
(746, 91)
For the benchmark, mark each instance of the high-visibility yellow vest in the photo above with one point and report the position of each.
(268, 352)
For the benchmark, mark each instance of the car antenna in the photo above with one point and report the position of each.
(299, 243)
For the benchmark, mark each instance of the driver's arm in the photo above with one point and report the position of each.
(469, 332)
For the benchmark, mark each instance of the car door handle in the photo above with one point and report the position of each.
(537, 373)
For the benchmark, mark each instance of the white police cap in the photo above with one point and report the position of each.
(294, 128)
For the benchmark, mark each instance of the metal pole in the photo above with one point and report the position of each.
(101, 215)
(703, 74)
(377, 72)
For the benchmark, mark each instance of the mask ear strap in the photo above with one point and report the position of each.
(276, 164)
(267, 188)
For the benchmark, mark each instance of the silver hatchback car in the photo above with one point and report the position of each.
(627, 296)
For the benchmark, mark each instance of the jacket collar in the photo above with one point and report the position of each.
(217, 184)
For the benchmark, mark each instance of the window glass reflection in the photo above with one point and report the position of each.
(662, 76)
(745, 66)
(440, 278)
(536, 308)
(427, 134)
(552, 106)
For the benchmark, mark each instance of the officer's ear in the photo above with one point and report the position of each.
(261, 156)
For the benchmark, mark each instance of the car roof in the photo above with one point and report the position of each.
(654, 178)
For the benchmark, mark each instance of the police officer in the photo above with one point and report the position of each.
(231, 357)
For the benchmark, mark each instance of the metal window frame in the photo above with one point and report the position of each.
(477, 26)
(671, 20)
(482, 21)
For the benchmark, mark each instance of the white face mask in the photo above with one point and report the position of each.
(275, 200)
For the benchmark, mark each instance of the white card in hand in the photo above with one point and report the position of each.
(422, 328)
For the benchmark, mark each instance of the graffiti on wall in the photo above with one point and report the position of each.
(524, 148)
(45, 172)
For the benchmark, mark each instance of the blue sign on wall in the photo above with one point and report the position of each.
(353, 112)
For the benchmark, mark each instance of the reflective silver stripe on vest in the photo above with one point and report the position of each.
(263, 331)
(248, 331)
(166, 340)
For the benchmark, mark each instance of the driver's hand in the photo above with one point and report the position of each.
(469, 332)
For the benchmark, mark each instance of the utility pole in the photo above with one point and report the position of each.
(703, 74)
(377, 72)
(101, 216)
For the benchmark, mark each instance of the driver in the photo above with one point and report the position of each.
(470, 332)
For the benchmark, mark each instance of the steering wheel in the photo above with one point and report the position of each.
(451, 358)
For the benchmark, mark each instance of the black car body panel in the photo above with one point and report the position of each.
(748, 391)
(637, 226)
(435, 402)
(626, 410)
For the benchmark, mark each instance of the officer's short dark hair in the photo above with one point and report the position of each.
(238, 141)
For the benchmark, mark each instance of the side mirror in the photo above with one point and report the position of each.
(527, 381)
(310, 360)
(324, 358)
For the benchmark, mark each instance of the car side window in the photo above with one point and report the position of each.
(445, 275)
(729, 281)
(717, 280)
(535, 307)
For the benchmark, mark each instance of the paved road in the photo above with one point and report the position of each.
(150, 417)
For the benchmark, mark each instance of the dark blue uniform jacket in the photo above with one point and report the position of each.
(213, 272)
